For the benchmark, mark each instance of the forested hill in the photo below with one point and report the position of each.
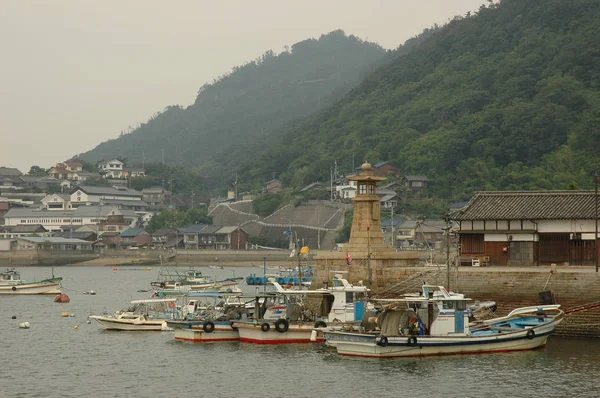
(506, 98)
(247, 104)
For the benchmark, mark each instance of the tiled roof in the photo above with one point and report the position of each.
(194, 228)
(122, 191)
(10, 171)
(529, 205)
(416, 178)
(56, 240)
(210, 229)
(131, 232)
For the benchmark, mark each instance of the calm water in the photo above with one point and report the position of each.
(52, 359)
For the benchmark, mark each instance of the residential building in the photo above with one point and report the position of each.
(416, 183)
(191, 235)
(88, 236)
(39, 182)
(156, 196)
(83, 194)
(165, 237)
(22, 230)
(383, 169)
(230, 238)
(273, 186)
(529, 228)
(133, 172)
(426, 234)
(82, 176)
(111, 169)
(138, 206)
(52, 243)
(60, 172)
(134, 237)
(11, 178)
(112, 226)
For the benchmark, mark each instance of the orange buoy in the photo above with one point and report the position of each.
(62, 298)
(115, 269)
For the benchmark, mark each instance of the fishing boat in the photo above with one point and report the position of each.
(144, 315)
(438, 324)
(11, 283)
(204, 321)
(300, 316)
(191, 280)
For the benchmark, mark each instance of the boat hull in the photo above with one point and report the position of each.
(31, 288)
(369, 345)
(252, 333)
(200, 336)
(109, 323)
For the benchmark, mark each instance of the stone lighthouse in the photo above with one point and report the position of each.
(372, 261)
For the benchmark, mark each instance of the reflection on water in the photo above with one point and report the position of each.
(53, 359)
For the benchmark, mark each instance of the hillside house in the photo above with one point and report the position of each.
(57, 201)
(111, 169)
(273, 186)
(133, 172)
(416, 183)
(156, 196)
(529, 228)
(191, 234)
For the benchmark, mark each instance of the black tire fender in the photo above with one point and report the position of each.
(282, 325)
(320, 324)
(530, 334)
(383, 341)
(412, 340)
(208, 327)
(265, 327)
(14, 288)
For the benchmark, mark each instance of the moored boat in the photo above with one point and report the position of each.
(144, 315)
(11, 283)
(439, 325)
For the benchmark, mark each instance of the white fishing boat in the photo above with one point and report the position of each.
(144, 315)
(287, 319)
(439, 325)
(11, 283)
(191, 280)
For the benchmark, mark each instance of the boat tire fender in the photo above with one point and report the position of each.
(412, 340)
(208, 327)
(265, 327)
(383, 341)
(530, 334)
(320, 324)
(14, 288)
(282, 325)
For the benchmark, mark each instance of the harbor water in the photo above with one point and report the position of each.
(66, 357)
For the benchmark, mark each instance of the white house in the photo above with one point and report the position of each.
(84, 194)
(111, 169)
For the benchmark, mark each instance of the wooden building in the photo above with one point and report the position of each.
(529, 228)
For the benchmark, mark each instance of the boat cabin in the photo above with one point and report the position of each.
(436, 313)
(10, 276)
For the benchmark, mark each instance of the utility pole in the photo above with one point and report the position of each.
(596, 179)
(236, 187)
(144, 160)
(163, 157)
(369, 273)
(318, 230)
(447, 252)
(299, 266)
(193, 194)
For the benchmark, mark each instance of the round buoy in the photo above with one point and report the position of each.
(64, 314)
(75, 327)
(115, 269)
(71, 315)
(14, 317)
(92, 292)
(24, 325)
(88, 321)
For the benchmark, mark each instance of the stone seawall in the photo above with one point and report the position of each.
(509, 287)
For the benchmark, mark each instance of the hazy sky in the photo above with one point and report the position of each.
(74, 73)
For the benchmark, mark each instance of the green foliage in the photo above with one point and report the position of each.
(37, 171)
(177, 179)
(178, 219)
(266, 204)
(344, 233)
(238, 113)
(97, 182)
(508, 98)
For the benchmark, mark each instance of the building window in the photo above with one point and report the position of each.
(362, 189)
